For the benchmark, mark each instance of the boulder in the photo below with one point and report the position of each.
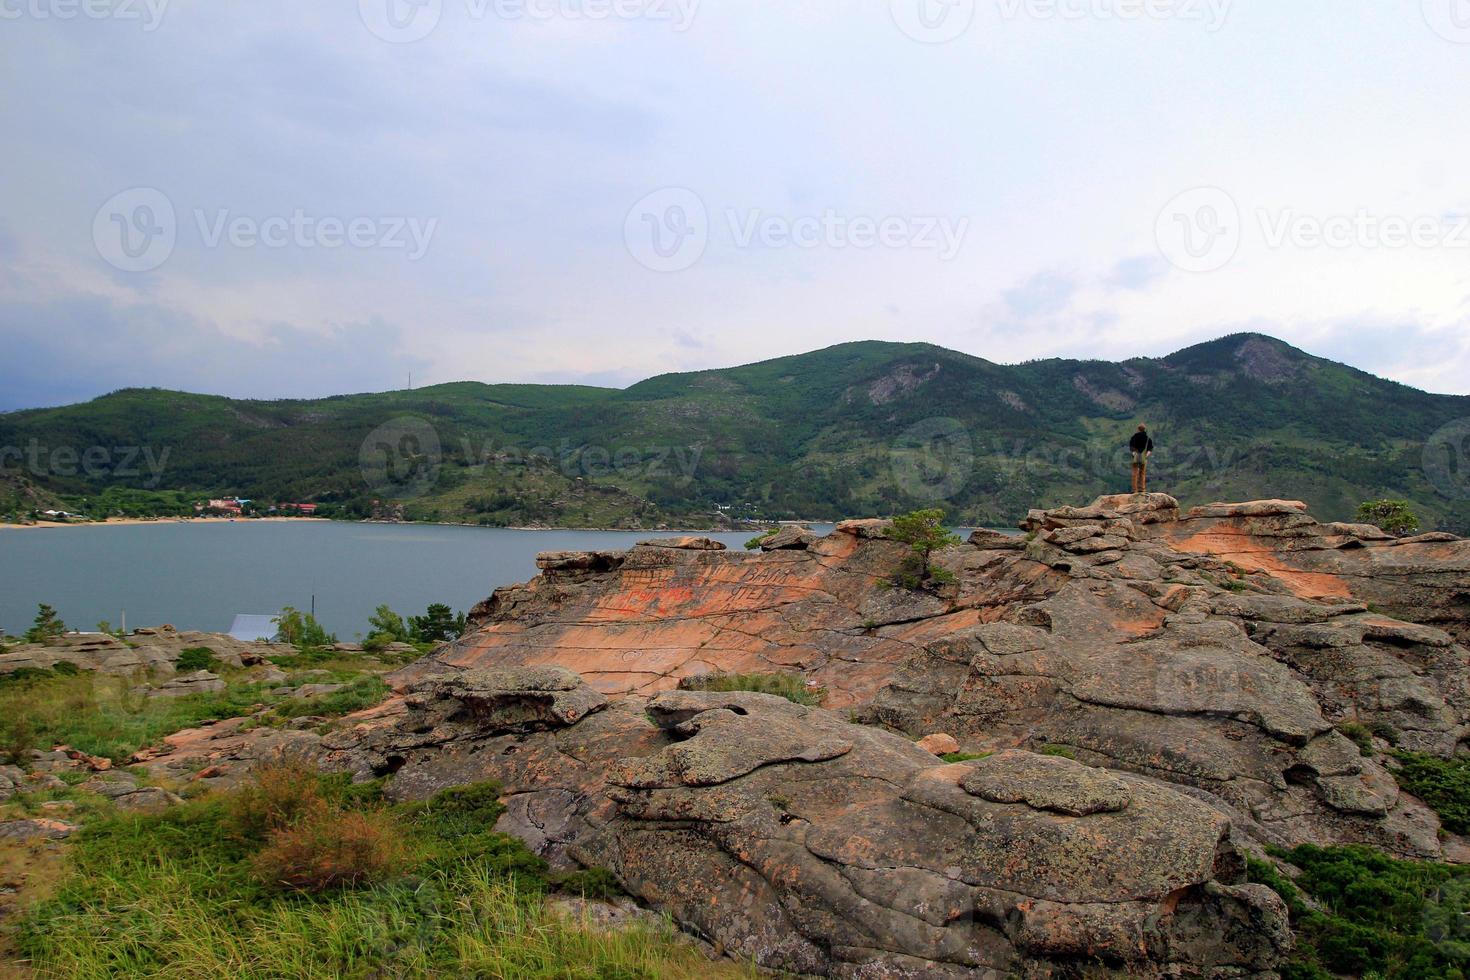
(996, 540)
(789, 536)
(939, 744)
(37, 828)
(791, 837)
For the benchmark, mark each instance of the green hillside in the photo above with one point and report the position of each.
(862, 428)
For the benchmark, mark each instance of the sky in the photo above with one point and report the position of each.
(286, 199)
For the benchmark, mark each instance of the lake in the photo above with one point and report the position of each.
(198, 576)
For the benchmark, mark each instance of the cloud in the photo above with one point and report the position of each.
(1044, 294)
(79, 347)
(1137, 272)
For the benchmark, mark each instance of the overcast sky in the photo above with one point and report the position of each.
(280, 198)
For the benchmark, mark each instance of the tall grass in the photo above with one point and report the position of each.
(179, 895)
(106, 716)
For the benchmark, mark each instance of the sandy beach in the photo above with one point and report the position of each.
(130, 521)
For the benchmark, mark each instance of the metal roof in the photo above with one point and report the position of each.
(249, 627)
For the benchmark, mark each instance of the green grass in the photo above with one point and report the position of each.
(965, 756)
(1064, 751)
(363, 692)
(105, 716)
(1376, 916)
(196, 658)
(174, 896)
(792, 687)
(1443, 784)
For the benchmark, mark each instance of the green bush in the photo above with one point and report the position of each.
(1359, 735)
(1374, 915)
(301, 630)
(792, 687)
(364, 692)
(1393, 516)
(1443, 784)
(755, 542)
(965, 756)
(195, 659)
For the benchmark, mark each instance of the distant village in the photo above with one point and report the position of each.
(239, 507)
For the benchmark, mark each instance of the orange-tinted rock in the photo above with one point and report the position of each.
(939, 744)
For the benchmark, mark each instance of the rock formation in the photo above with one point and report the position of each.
(153, 650)
(1159, 691)
(799, 840)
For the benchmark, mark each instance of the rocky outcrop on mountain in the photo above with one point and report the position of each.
(790, 836)
(154, 650)
(1218, 649)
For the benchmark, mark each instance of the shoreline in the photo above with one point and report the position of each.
(141, 521)
(146, 521)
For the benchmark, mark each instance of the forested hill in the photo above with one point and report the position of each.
(858, 429)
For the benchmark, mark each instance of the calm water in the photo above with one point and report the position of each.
(199, 576)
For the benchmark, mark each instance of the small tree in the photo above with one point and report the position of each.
(387, 626)
(924, 532)
(48, 625)
(1393, 516)
(301, 630)
(438, 624)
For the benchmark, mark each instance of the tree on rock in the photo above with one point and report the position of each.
(925, 533)
(48, 625)
(1394, 516)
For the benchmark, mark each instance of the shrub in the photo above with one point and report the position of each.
(1443, 784)
(1359, 735)
(1393, 516)
(965, 756)
(755, 542)
(327, 848)
(1064, 751)
(589, 883)
(1371, 914)
(792, 687)
(195, 659)
(280, 794)
(363, 692)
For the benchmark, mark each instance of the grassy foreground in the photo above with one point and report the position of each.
(313, 878)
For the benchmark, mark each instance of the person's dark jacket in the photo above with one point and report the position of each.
(1141, 443)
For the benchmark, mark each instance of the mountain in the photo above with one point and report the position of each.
(860, 428)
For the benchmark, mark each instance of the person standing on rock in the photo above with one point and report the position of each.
(1142, 447)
